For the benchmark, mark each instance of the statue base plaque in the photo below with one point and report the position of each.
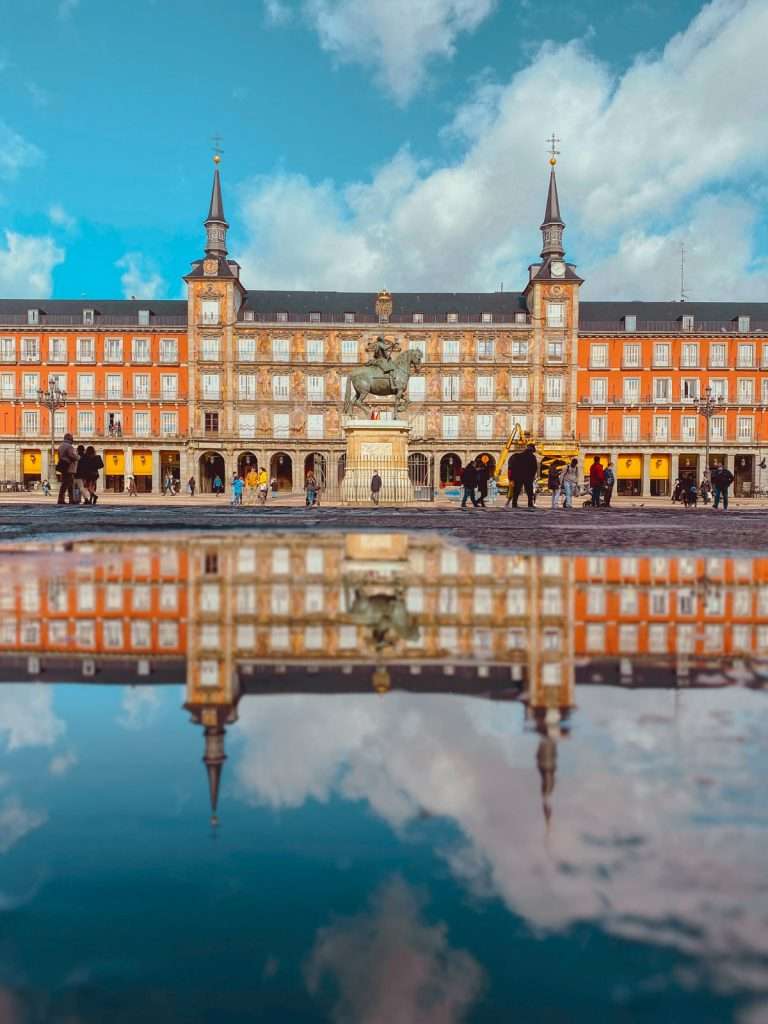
(377, 446)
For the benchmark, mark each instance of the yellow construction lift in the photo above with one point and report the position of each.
(548, 452)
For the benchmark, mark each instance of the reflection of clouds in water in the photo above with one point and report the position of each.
(139, 707)
(646, 830)
(27, 717)
(390, 965)
(16, 821)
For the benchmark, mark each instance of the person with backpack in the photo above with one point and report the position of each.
(722, 478)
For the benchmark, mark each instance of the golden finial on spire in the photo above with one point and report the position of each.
(554, 152)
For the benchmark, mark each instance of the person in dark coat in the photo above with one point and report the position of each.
(469, 482)
(722, 479)
(376, 483)
(481, 483)
(88, 470)
(523, 469)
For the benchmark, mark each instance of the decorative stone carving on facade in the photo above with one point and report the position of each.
(384, 304)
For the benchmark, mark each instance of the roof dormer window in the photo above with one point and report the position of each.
(143, 318)
(452, 318)
(88, 317)
(33, 316)
(686, 322)
(349, 318)
(281, 317)
(630, 322)
(418, 318)
(249, 315)
(314, 317)
(486, 318)
(743, 324)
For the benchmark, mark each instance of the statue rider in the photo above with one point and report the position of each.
(382, 350)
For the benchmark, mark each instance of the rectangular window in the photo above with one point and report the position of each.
(140, 351)
(689, 389)
(743, 324)
(168, 423)
(349, 318)
(210, 350)
(114, 385)
(315, 350)
(744, 428)
(746, 355)
(631, 390)
(143, 318)
(418, 318)
(33, 316)
(689, 356)
(598, 355)
(519, 351)
(315, 388)
(485, 349)
(631, 428)
(85, 385)
(450, 350)
(210, 311)
(553, 427)
(86, 350)
(661, 354)
(141, 385)
(764, 357)
(686, 323)
(764, 391)
(630, 323)
(246, 387)
(745, 390)
(30, 350)
(141, 424)
(314, 317)
(7, 350)
(7, 385)
(211, 422)
(518, 389)
(486, 318)
(718, 354)
(281, 426)
(719, 387)
(631, 356)
(246, 424)
(597, 429)
(169, 350)
(661, 428)
(246, 350)
(60, 423)
(484, 425)
(281, 386)
(598, 390)
(211, 386)
(452, 318)
(281, 317)
(169, 386)
(113, 350)
(555, 314)
(315, 425)
(57, 350)
(484, 388)
(281, 350)
(554, 351)
(30, 421)
(662, 389)
(688, 428)
(451, 387)
(418, 345)
(717, 428)
(85, 421)
(521, 318)
(30, 382)
(450, 425)
(417, 389)
(349, 352)
(553, 389)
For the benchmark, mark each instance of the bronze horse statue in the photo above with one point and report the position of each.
(371, 380)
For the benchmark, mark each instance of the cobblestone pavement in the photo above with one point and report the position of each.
(627, 528)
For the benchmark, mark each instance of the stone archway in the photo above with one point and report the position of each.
(247, 461)
(450, 469)
(281, 471)
(487, 460)
(316, 463)
(211, 465)
(418, 469)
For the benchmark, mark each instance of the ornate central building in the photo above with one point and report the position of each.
(233, 377)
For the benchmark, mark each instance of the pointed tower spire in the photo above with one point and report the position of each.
(552, 227)
(213, 759)
(216, 223)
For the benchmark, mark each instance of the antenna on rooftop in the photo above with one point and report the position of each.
(683, 295)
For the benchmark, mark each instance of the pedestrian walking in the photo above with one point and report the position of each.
(553, 483)
(569, 482)
(705, 488)
(481, 483)
(237, 490)
(191, 486)
(168, 484)
(596, 476)
(609, 479)
(131, 485)
(79, 488)
(263, 486)
(722, 478)
(66, 467)
(88, 469)
(523, 469)
(251, 486)
(677, 493)
(46, 489)
(375, 487)
(469, 482)
(310, 488)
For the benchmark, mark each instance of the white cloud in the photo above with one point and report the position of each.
(67, 8)
(399, 38)
(139, 280)
(27, 263)
(390, 965)
(59, 216)
(16, 152)
(277, 12)
(62, 763)
(27, 717)
(17, 821)
(140, 706)
(663, 151)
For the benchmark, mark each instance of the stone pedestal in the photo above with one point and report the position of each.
(377, 446)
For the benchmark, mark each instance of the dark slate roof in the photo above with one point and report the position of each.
(108, 311)
(216, 209)
(608, 316)
(552, 212)
(433, 305)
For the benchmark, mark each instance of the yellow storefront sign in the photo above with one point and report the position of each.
(659, 467)
(142, 463)
(114, 463)
(590, 458)
(31, 461)
(629, 467)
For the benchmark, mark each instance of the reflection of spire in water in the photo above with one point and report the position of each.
(382, 681)
(214, 758)
(546, 760)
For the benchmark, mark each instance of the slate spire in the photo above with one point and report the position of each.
(216, 223)
(552, 226)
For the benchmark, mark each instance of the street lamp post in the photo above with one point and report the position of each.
(54, 398)
(706, 407)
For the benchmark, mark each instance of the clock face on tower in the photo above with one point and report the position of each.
(557, 268)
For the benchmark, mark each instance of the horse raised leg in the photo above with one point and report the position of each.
(358, 402)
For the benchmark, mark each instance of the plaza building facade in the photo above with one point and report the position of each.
(232, 378)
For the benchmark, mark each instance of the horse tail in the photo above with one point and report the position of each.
(348, 396)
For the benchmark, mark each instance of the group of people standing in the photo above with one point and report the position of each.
(715, 484)
(78, 469)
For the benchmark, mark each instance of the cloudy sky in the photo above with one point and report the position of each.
(393, 144)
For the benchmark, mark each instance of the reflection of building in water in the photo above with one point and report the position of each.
(242, 616)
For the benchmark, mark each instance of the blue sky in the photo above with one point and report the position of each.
(394, 144)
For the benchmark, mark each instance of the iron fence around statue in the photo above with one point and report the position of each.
(371, 481)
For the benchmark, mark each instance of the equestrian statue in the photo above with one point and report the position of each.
(382, 375)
